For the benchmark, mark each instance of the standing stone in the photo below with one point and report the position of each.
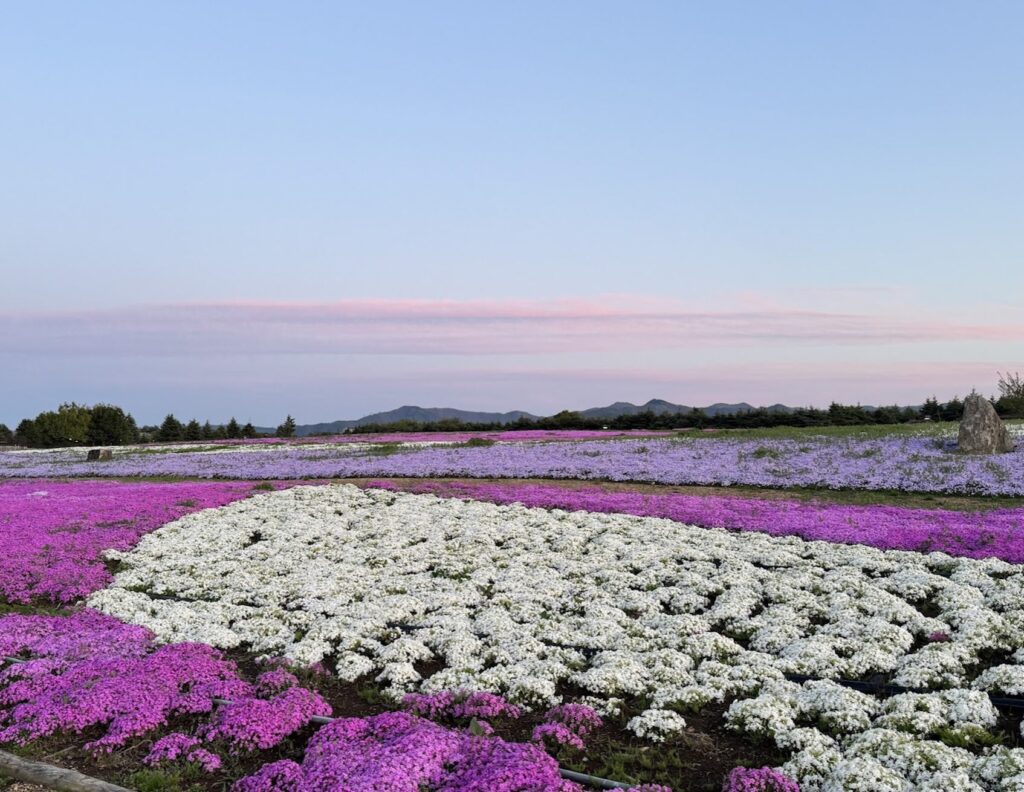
(93, 455)
(981, 430)
(106, 455)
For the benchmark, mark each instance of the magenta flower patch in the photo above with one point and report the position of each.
(53, 534)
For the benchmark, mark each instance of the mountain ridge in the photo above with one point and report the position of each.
(435, 414)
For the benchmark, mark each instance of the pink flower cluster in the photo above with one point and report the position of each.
(763, 779)
(456, 704)
(270, 682)
(567, 725)
(252, 724)
(181, 746)
(399, 752)
(53, 534)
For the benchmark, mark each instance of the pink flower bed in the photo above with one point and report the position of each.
(399, 752)
(90, 670)
(53, 533)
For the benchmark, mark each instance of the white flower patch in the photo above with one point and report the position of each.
(862, 774)
(1001, 769)
(961, 712)
(656, 724)
(428, 593)
(836, 709)
(1008, 679)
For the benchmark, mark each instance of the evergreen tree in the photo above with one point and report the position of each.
(170, 430)
(952, 410)
(6, 435)
(248, 431)
(25, 433)
(287, 429)
(233, 430)
(208, 431)
(193, 431)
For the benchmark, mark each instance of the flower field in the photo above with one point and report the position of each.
(912, 463)
(420, 632)
(52, 534)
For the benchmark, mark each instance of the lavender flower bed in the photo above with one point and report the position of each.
(510, 436)
(997, 533)
(908, 463)
(52, 534)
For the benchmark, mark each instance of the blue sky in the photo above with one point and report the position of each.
(204, 180)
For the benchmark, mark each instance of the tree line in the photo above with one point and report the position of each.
(74, 424)
(1009, 404)
(106, 424)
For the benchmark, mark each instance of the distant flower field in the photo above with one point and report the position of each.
(909, 463)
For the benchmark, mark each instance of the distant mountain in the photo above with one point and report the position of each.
(658, 406)
(661, 407)
(407, 413)
(434, 414)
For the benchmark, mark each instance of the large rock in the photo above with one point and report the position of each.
(981, 430)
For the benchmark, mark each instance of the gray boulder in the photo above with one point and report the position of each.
(981, 430)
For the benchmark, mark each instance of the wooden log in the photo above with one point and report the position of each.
(46, 775)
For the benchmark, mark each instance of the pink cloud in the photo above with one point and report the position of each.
(445, 327)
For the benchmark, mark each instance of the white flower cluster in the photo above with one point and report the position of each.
(656, 724)
(521, 600)
(858, 742)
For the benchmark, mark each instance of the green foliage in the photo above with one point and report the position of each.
(6, 435)
(25, 434)
(193, 431)
(110, 425)
(968, 737)
(1011, 395)
(170, 430)
(287, 429)
(233, 431)
(180, 779)
(249, 431)
(952, 410)
(67, 426)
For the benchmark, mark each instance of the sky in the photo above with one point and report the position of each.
(330, 209)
